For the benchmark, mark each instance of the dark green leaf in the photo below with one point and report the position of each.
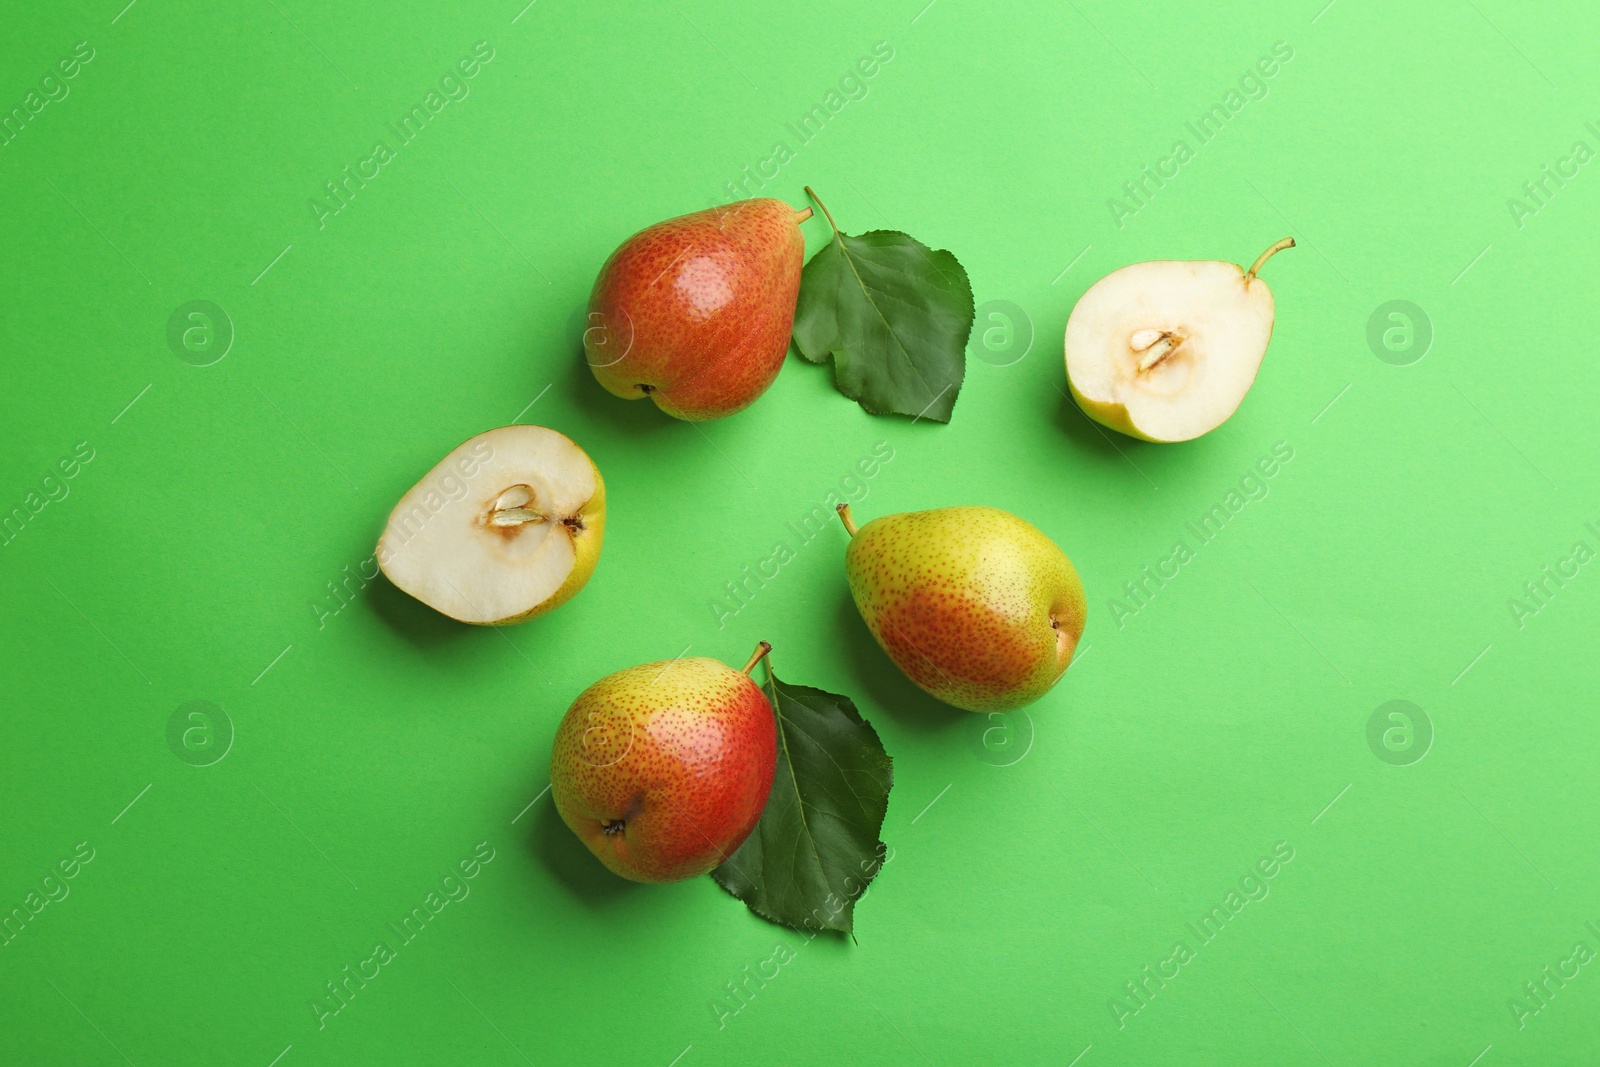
(894, 315)
(816, 848)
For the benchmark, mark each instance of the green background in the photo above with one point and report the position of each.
(1064, 850)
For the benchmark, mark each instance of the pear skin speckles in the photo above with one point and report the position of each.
(696, 312)
(662, 770)
(976, 606)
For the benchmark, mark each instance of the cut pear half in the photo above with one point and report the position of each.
(506, 527)
(1166, 350)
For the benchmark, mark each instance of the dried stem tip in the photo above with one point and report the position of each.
(757, 656)
(1287, 242)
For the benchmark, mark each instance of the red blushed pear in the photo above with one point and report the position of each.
(696, 312)
(974, 605)
(662, 770)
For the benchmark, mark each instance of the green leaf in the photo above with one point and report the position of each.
(816, 848)
(894, 315)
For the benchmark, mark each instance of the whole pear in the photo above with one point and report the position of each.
(662, 770)
(696, 312)
(975, 605)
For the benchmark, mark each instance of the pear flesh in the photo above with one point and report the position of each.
(975, 605)
(1167, 350)
(505, 527)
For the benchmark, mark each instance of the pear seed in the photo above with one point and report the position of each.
(515, 516)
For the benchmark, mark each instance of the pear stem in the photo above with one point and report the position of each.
(1287, 242)
(844, 517)
(826, 213)
(757, 656)
(803, 214)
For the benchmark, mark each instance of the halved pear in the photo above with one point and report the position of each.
(506, 527)
(1166, 350)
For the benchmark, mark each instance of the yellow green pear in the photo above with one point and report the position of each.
(973, 604)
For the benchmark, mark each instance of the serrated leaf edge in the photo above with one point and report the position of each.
(847, 913)
(832, 354)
